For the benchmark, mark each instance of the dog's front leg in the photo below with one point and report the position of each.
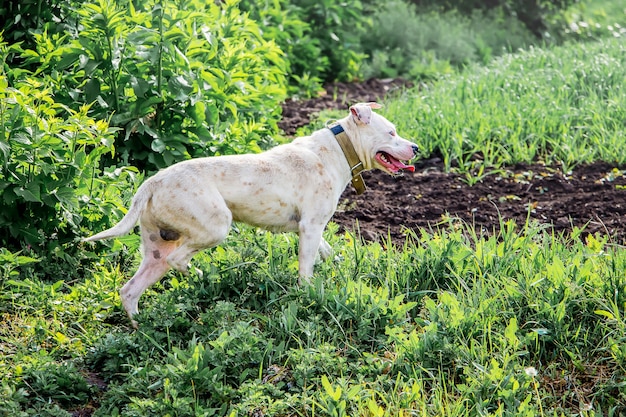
(310, 243)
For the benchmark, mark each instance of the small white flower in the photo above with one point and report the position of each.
(531, 371)
(586, 407)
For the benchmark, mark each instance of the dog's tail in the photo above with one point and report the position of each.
(140, 200)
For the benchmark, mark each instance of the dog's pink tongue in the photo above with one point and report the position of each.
(401, 165)
(405, 167)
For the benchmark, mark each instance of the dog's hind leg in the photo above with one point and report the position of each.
(325, 250)
(202, 234)
(153, 266)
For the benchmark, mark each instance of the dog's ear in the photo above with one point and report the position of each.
(374, 105)
(362, 112)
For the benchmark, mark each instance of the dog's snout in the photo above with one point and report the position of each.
(415, 149)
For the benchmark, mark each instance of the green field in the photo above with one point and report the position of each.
(520, 323)
(564, 106)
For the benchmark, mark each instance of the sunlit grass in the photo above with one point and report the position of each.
(562, 106)
(449, 324)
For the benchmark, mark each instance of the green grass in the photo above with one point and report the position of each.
(517, 323)
(592, 20)
(452, 324)
(564, 105)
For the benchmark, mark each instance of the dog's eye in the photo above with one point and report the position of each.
(392, 133)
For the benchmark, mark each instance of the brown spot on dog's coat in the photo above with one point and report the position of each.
(168, 234)
(153, 237)
(156, 254)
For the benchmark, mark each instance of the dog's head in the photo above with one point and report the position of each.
(376, 141)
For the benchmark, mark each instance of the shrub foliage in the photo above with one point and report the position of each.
(535, 14)
(144, 84)
(181, 78)
(49, 168)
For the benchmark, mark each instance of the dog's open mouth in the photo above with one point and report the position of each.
(392, 164)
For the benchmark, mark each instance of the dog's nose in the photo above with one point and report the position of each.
(415, 149)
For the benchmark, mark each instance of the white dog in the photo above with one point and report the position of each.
(293, 187)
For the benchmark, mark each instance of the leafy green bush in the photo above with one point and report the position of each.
(178, 79)
(403, 42)
(321, 39)
(338, 26)
(282, 22)
(49, 177)
(182, 78)
(535, 14)
(27, 17)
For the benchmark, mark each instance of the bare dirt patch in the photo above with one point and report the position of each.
(593, 197)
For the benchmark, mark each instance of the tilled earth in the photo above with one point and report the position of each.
(591, 197)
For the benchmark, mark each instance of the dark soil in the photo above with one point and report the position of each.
(592, 197)
(297, 113)
(429, 197)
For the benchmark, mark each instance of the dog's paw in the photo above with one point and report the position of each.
(325, 251)
(304, 281)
